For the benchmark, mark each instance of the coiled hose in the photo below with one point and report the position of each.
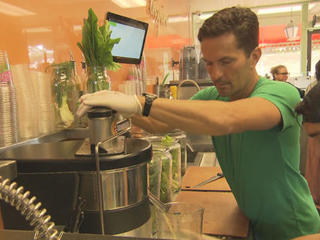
(16, 197)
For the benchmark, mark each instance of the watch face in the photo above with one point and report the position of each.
(150, 95)
(148, 102)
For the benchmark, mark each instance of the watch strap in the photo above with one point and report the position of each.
(148, 103)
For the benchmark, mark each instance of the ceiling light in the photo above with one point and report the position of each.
(77, 28)
(37, 30)
(291, 31)
(175, 19)
(204, 16)
(282, 9)
(130, 3)
(11, 10)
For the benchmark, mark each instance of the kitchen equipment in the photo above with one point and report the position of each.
(211, 179)
(180, 220)
(16, 197)
(222, 216)
(119, 191)
(188, 66)
(21, 200)
(100, 120)
(59, 174)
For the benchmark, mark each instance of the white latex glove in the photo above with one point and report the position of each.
(127, 105)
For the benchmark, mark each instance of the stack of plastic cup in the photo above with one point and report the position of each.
(8, 116)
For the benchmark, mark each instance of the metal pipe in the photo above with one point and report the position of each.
(16, 197)
(184, 81)
(99, 180)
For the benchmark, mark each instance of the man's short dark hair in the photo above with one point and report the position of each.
(242, 22)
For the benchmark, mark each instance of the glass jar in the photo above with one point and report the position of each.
(175, 151)
(182, 139)
(155, 170)
(163, 160)
(65, 95)
(98, 79)
(171, 172)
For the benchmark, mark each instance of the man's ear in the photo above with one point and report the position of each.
(255, 56)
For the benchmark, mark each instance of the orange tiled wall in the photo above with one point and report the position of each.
(47, 31)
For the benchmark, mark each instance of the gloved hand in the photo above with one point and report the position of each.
(127, 105)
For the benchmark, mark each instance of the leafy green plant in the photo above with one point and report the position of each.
(165, 79)
(165, 188)
(169, 142)
(96, 44)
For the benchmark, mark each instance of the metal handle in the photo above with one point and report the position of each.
(99, 180)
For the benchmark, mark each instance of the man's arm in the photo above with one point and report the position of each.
(215, 117)
(150, 124)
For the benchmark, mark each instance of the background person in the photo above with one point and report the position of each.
(317, 77)
(251, 119)
(310, 109)
(280, 73)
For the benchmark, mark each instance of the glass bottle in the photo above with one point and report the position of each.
(98, 79)
(8, 112)
(65, 93)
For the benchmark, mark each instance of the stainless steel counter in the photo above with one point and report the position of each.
(8, 169)
(63, 135)
(28, 235)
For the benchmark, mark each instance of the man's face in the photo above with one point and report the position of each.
(282, 74)
(231, 71)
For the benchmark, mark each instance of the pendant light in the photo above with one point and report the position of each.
(291, 30)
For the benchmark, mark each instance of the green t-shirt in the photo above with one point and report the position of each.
(262, 168)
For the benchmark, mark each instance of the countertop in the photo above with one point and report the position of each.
(28, 235)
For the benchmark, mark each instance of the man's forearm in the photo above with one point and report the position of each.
(150, 125)
(215, 117)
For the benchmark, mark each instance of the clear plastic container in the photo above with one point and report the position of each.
(8, 112)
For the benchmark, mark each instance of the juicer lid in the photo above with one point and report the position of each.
(60, 157)
(100, 112)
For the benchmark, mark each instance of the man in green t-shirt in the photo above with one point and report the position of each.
(252, 123)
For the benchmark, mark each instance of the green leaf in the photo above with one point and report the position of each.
(96, 44)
